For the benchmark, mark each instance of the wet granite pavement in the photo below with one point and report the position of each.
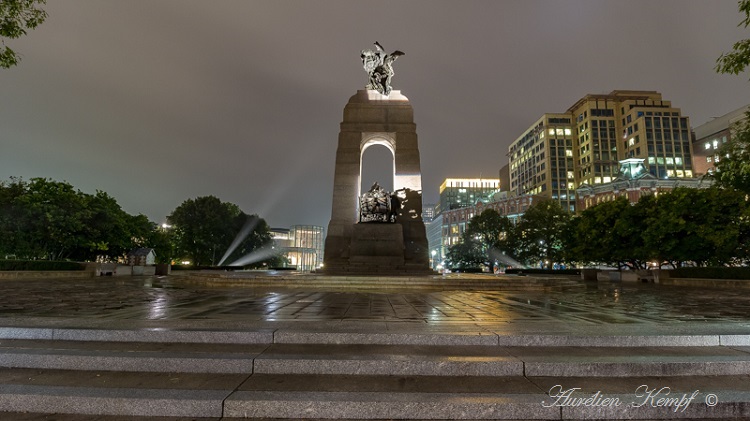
(168, 298)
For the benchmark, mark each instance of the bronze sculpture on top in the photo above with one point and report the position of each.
(379, 67)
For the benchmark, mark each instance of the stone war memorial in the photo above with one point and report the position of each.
(377, 232)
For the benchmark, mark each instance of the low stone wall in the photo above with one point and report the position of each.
(623, 276)
(706, 283)
(662, 277)
(39, 274)
(92, 270)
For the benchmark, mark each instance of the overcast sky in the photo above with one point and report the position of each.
(159, 101)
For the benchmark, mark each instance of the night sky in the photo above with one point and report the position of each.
(156, 102)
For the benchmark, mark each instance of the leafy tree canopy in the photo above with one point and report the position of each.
(736, 61)
(47, 219)
(205, 228)
(540, 233)
(467, 254)
(16, 16)
(733, 169)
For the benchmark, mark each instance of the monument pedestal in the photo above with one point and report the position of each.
(400, 248)
(381, 249)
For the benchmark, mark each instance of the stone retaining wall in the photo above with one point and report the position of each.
(39, 274)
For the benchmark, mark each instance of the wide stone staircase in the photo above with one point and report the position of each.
(327, 373)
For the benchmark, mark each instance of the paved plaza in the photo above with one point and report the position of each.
(170, 299)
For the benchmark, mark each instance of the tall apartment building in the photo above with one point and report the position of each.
(542, 160)
(561, 152)
(456, 193)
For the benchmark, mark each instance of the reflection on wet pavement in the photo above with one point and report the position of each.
(165, 298)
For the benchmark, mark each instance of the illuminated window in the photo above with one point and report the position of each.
(560, 132)
(567, 132)
(708, 145)
(651, 160)
(680, 173)
(678, 160)
(597, 180)
(607, 179)
(716, 143)
(709, 159)
(551, 131)
(689, 173)
(670, 173)
(631, 142)
(670, 161)
(568, 152)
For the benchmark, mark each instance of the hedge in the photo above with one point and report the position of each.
(711, 273)
(39, 265)
(191, 267)
(519, 271)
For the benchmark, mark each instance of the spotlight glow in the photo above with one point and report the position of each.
(251, 223)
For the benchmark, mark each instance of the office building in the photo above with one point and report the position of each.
(710, 136)
(301, 245)
(456, 193)
(542, 160)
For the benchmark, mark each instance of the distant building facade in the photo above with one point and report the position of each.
(710, 136)
(428, 212)
(560, 153)
(456, 193)
(542, 160)
(632, 182)
(454, 222)
(301, 245)
(142, 257)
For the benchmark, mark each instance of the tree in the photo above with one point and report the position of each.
(540, 233)
(16, 16)
(736, 61)
(46, 219)
(602, 234)
(12, 235)
(469, 253)
(733, 169)
(493, 231)
(204, 229)
(702, 226)
(53, 215)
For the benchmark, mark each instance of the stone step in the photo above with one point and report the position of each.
(380, 280)
(367, 397)
(129, 356)
(398, 374)
(376, 359)
(354, 333)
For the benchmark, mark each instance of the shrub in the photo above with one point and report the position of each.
(711, 273)
(519, 271)
(39, 265)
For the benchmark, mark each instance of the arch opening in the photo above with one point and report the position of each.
(377, 163)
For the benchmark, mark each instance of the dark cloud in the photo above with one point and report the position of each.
(158, 102)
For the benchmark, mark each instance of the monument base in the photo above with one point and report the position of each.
(381, 249)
